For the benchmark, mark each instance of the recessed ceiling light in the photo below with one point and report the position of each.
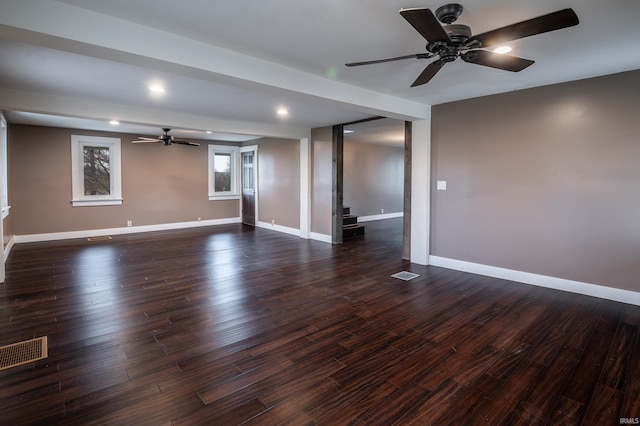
(347, 131)
(114, 122)
(209, 132)
(502, 49)
(282, 112)
(156, 88)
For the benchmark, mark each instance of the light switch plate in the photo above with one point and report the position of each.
(441, 185)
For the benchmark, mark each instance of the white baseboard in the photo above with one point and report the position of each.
(8, 248)
(379, 217)
(279, 228)
(603, 292)
(32, 238)
(320, 237)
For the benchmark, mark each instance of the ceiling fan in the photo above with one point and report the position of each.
(451, 41)
(165, 139)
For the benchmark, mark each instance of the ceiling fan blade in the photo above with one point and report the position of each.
(146, 140)
(165, 139)
(426, 23)
(182, 142)
(397, 58)
(496, 60)
(429, 72)
(542, 24)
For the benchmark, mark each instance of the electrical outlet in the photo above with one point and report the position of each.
(273, 222)
(381, 211)
(199, 219)
(129, 223)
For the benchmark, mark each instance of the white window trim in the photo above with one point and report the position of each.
(4, 195)
(78, 142)
(234, 193)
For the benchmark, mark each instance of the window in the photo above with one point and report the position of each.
(96, 171)
(223, 172)
(4, 163)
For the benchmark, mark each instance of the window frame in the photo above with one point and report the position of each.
(79, 199)
(234, 192)
(4, 160)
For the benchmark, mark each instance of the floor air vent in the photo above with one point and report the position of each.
(405, 276)
(23, 352)
(102, 238)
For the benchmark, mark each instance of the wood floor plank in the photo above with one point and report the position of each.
(615, 371)
(208, 416)
(243, 380)
(604, 407)
(344, 405)
(568, 412)
(398, 406)
(306, 375)
(238, 325)
(587, 373)
(501, 406)
(539, 405)
(509, 359)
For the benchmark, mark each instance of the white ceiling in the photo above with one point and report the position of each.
(227, 66)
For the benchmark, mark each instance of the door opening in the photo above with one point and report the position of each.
(248, 188)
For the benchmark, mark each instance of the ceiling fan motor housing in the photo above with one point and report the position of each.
(458, 33)
(166, 138)
(449, 12)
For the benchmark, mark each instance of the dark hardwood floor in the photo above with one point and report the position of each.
(235, 325)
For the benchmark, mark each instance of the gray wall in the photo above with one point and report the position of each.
(373, 178)
(545, 180)
(169, 184)
(322, 180)
(279, 181)
(160, 184)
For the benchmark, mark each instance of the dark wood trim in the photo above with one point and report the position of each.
(337, 191)
(406, 224)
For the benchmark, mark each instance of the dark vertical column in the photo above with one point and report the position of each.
(406, 226)
(337, 188)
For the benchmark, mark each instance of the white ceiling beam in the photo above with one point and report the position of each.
(20, 100)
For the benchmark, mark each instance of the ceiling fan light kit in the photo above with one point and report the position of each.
(451, 41)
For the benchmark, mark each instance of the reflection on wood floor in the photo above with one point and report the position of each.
(235, 325)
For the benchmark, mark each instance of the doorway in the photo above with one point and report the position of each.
(376, 174)
(248, 159)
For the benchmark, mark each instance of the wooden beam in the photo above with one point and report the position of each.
(337, 190)
(406, 225)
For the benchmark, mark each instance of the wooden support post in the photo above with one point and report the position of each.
(337, 191)
(406, 225)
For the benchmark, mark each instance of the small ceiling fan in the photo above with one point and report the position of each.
(451, 41)
(165, 139)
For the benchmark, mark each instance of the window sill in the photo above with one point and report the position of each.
(5, 211)
(224, 197)
(91, 203)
